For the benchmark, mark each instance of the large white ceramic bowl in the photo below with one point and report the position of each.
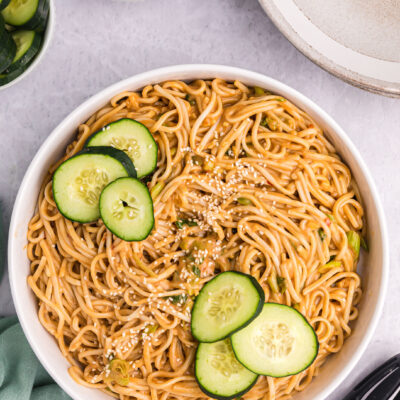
(48, 34)
(375, 264)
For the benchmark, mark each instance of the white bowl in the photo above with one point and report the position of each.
(374, 282)
(48, 34)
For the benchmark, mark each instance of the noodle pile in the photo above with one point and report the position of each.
(243, 172)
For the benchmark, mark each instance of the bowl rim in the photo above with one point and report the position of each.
(187, 71)
(48, 35)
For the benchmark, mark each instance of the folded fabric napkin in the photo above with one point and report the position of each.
(21, 375)
(3, 241)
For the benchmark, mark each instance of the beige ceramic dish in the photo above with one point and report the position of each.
(356, 40)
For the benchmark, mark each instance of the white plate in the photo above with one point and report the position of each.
(374, 283)
(356, 40)
(48, 34)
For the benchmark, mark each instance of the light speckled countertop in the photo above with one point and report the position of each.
(99, 42)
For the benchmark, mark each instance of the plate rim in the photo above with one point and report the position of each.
(386, 88)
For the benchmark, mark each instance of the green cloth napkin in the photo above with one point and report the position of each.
(21, 375)
(3, 241)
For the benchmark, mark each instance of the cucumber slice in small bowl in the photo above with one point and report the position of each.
(27, 14)
(28, 44)
(126, 208)
(219, 374)
(7, 77)
(225, 304)
(278, 343)
(132, 137)
(8, 50)
(78, 181)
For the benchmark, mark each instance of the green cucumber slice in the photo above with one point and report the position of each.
(8, 77)
(78, 181)
(8, 49)
(279, 342)
(4, 4)
(29, 14)
(126, 208)
(228, 302)
(28, 44)
(219, 374)
(132, 137)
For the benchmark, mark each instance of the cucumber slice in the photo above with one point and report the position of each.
(126, 208)
(29, 14)
(280, 342)
(4, 4)
(219, 374)
(228, 302)
(78, 181)
(133, 138)
(8, 49)
(8, 77)
(28, 44)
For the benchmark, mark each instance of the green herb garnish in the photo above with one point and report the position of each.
(180, 298)
(181, 222)
(191, 101)
(364, 244)
(321, 234)
(331, 264)
(281, 284)
(354, 242)
(244, 201)
(196, 270)
(157, 189)
(331, 217)
(258, 91)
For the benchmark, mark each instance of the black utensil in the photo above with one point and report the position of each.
(380, 384)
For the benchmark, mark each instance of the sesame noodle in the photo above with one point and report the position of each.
(257, 183)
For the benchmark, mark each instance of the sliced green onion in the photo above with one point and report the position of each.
(157, 189)
(119, 372)
(280, 99)
(191, 101)
(143, 266)
(321, 234)
(331, 217)
(364, 244)
(173, 151)
(273, 284)
(197, 160)
(244, 201)
(326, 267)
(152, 328)
(181, 222)
(271, 123)
(281, 284)
(196, 270)
(180, 298)
(258, 91)
(354, 242)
